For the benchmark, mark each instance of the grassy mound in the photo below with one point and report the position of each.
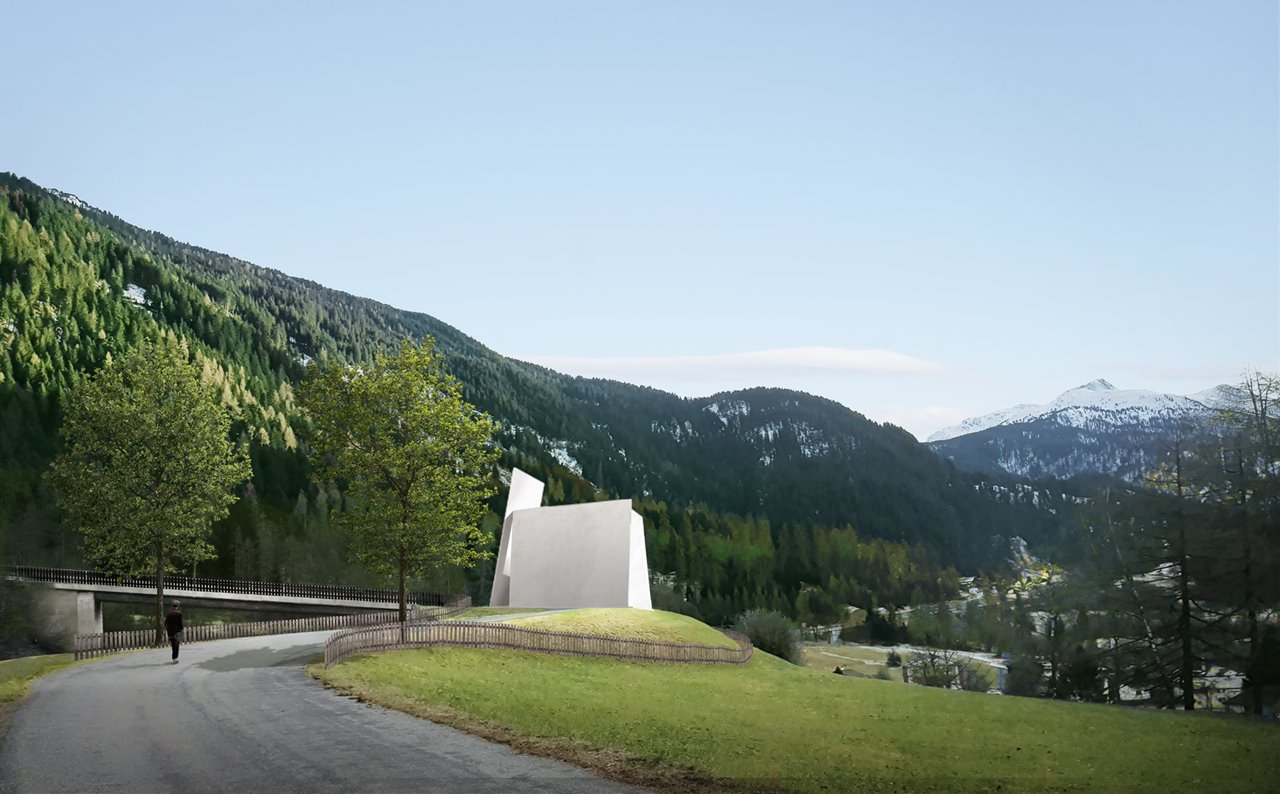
(634, 624)
(769, 725)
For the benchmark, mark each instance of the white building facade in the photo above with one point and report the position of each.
(572, 556)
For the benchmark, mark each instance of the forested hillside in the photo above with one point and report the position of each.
(762, 496)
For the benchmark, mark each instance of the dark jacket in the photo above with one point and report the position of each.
(173, 623)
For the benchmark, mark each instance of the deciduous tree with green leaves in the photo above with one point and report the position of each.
(416, 460)
(147, 466)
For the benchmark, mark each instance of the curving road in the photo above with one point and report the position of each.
(242, 715)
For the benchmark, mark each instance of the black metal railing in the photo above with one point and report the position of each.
(226, 586)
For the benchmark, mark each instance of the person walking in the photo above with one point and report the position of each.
(173, 625)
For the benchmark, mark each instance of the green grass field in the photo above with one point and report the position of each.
(16, 674)
(866, 661)
(771, 725)
(870, 662)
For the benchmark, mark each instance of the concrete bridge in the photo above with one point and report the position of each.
(68, 602)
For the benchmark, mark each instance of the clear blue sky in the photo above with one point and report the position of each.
(1005, 199)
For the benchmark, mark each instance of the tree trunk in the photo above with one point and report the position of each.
(160, 635)
(1263, 393)
(403, 610)
(1055, 655)
(1254, 665)
(1186, 672)
(1187, 667)
(403, 605)
(1131, 587)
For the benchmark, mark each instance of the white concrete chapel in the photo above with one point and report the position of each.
(590, 555)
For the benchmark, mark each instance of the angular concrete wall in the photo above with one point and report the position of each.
(638, 594)
(579, 556)
(525, 494)
(590, 555)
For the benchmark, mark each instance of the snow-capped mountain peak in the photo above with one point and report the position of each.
(1097, 400)
(1218, 397)
(1101, 384)
(1094, 428)
(1015, 414)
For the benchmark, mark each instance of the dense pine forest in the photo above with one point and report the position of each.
(761, 497)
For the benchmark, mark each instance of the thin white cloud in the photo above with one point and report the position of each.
(764, 366)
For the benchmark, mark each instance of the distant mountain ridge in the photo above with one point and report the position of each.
(1090, 429)
(78, 284)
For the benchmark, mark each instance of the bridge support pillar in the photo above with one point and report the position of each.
(88, 614)
(59, 615)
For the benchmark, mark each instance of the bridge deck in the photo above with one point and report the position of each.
(124, 593)
(207, 591)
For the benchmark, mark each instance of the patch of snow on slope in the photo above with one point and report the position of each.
(560, 451)
(812, 441)
(71, 199)
(728, 409)
(136, 294)
(769, 432)
(678, 430)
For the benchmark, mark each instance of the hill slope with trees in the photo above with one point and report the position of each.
(757, 495)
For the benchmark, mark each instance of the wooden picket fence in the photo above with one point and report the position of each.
(90, 645)
(473, 634)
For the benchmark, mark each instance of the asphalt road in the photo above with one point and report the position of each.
(242, 715)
